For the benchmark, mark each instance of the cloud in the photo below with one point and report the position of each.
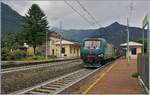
(54, 18)
(105, 12)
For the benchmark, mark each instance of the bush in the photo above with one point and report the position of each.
(5, 54)
(18, 54)
(135, 75)
(34, 57)
(52, 56)
(38, 57)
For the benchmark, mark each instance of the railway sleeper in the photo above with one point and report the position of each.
(51, 85)
(41, 90)
(65, 81)
(61, 82)
(56, 83)
(49, 88)
(32, 92)
(68, 78)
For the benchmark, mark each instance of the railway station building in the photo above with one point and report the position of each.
(54, 45)
(134, 49)
(69, 48)
(51, 48)
(60, 47)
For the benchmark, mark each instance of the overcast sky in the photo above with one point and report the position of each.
(105, 12)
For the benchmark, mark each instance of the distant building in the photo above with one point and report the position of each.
(51, 48)
(69, 48)
(134, 49)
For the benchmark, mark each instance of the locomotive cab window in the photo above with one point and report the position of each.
(92, 44)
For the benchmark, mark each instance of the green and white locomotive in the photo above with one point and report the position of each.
(96, 51)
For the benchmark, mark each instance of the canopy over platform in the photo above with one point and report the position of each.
(131, 44)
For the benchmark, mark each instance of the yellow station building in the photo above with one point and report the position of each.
(69, 48)
(134, 49)
(54, 45)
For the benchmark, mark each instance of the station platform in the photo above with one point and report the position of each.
(115, 79)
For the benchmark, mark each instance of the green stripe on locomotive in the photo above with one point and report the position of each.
(101, 54)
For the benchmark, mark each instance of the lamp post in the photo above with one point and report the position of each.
(46, 47)
(144, 24)
(143, 41)
(27, 46)
(60, 39)
(128, 35)
(148, 45)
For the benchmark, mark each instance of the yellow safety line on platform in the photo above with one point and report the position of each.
(100, 78)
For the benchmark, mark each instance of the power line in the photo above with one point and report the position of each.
(131, 10)
(88, 13)
(78, 12)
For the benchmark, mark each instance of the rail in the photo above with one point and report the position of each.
(10, 64)
(57, 85)
(13, 69)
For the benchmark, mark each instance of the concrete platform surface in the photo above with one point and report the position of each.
(116, 79)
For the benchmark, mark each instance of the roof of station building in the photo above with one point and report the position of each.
(66, 42)
(131, 43)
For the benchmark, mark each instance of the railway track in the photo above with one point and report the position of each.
(5, 64)
(37, 66)
(57, 85)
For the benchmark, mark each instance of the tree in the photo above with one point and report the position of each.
(10, 41)
(34, 26)
(140, 40)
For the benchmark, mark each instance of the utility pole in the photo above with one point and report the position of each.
(143, 42)
(60, 39)
(46, 47)
(128, 35)
(148, 42)
(146, 24)
(148, 37)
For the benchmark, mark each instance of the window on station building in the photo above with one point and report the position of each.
(62, 50)
(77, 52)
(133, 51)
(70, 50)
(52, 51)
(74, 50)
(52, 42)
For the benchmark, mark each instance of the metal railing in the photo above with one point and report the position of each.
(143, 68)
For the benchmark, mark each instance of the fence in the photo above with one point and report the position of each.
(143, 68)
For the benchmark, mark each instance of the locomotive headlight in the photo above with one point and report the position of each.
(100, 55)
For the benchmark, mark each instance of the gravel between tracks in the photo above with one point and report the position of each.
(17, 80)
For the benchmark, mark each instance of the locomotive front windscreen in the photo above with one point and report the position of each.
(91, 44)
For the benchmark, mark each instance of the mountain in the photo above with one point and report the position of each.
(10, 20)
(115, 33)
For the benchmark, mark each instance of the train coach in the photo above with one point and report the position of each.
(96, 51)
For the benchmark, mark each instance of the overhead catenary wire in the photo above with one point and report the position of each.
(84, 18)
(128, 34)
(94, 19)
(130, 11)
(84, 9)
